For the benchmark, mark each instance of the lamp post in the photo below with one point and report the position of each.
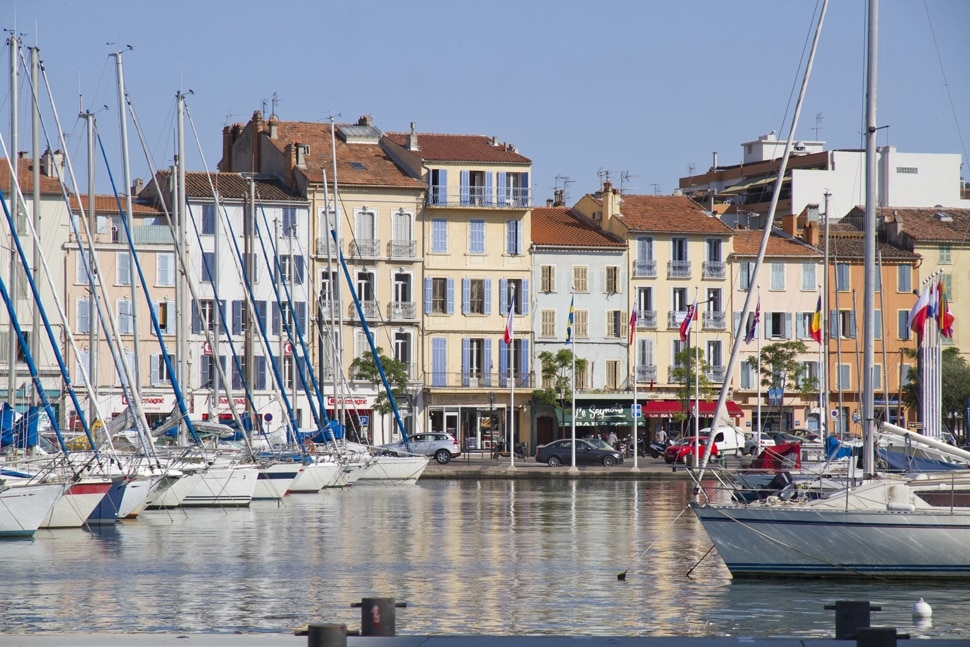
(491, 415)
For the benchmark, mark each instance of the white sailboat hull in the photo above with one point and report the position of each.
(388, 470)
(73, 509)
(274, 481)
(316, 476)
(224, 486)
(24, 507)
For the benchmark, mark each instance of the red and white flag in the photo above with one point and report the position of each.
(633, 324)
(508, 327)
(688, 318)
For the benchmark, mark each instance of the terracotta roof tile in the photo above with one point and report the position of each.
(107, 205)
(25, 173)
(847, 242)
(670, 214)
(357, 164)
(460, 148)
(747, 242)
(930, 224)
(562, 227)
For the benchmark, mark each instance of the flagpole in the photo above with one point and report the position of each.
(511, 345)
(634, 318)
(572, 389)
(757, 377)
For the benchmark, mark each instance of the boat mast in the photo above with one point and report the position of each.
(14, 209)
(869, 248)
(180, 207)
(35, 132)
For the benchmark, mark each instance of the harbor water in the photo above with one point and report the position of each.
(499, 557)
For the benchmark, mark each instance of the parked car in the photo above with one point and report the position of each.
(686, 449)
(727, 438)
(443, 447)
(751, 444)
(559, 452)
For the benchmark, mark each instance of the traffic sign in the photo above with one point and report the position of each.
(636, 410)
(835, 413)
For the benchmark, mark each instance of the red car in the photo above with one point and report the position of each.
(687, 451)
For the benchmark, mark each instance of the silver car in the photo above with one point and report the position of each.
(443, 447)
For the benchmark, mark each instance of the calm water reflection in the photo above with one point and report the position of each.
(489, 557)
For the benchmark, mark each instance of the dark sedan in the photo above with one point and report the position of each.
(560, 453)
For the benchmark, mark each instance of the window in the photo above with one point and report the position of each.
(548, 273)
(644, 300)
(747, 376)
(842, 277)
(289, 371)
(366, 226)
(439, 361)
(439, 236)
(513, 234)
(438, 186)
(714, 300)
(440, 295)
(123, 270)
(808, 276)
(402, 348)
(777, 276)
(327, 283)
(902, 322)
(745, 271)
(516, 290)
(803, 325)
(81, 274)
(876, 376)
(644, 249)
(580, 278)
(614, 376)
(474, 296)
(904, 279)
(944, 255)
(125, 317)
(159, 370)
(208, 266)
(208, 219)
(289, 222)
(679, 300)
(714, 250)
(165, 313)
(612, 279)
(846, 323)
(581, 323)
(165, 269)
(292, 269)
(82, 368)
(365, 286)
(808, 375)
(474, 357)
(207, 314)
(842, 379)
(402, 287)
(476, 237)
(678, 249)
(83, 316)
(877, 324)
(614, 323)
(715, 360)
(678, 348)
(547, 323)
(777, 325)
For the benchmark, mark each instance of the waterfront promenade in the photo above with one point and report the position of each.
(482, 465)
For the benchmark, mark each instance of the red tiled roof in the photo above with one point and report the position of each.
(930, 224)
(747, 242)
(107, 205)
(357, 164)
(460, 148)
(562, 227)
(847, 242)
(25, 176)
(670, 214)
(229, 185)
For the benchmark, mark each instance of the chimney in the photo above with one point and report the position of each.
(137, 186)
(789, 224)
(549, 202)
(301, 151)
(558, 197)
(365, 120)
(50, 162)
(274, 126)
(610, 203)
(413, 139)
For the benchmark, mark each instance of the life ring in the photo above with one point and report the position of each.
(309, 446)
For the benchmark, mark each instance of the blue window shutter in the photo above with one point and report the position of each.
(276, 318)
(524, 198)
(300, 267)
(788, 325)
(488, 190)
(301, 315)
(153, 366)
(767, 326)
(450, 305)
(487, 368)
(465, 360)
(208, 258)
(501, 188)
(737, 324)
(427, 296)
(204, 372)
(196, 319)
(523, 362)
(236, 317)
(877, 323)
(503, 363)
(439, 361)
(465, 295)
(834, 324)
(524, 298)
(260, 314)
(488, 296)
(443, 192)
(260, 372)
(852, 324)
(465, 188)
(503, 296)
(236, 377)
(800, 331)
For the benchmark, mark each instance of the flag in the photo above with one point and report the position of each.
(633, 324)
(944, 317)
(753, 324)
(917, 315)
(569, 322)
(688, 318)
(815, 329)
(508, 326)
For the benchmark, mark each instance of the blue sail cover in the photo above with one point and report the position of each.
(834, 449)
(23, 432)
(901, 462)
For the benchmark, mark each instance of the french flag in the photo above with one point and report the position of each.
(920, 312)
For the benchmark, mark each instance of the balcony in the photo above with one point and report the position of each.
(362, 248)
(647, 320)
(477, 380)
(678, 269)
(671, 378)
(402, 311)
(401, 249)
(325, 247)
(713, 270)
(477, 196)
(645, 269)
(675, 317)
(647, 373)
(371, 310)
(714, 321)
(716, 374)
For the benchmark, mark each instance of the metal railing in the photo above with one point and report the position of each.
(645, 269)
(713, 270)
(678, 269)
(647, 319)
(715, 320)
(398, 310)
(397, 249)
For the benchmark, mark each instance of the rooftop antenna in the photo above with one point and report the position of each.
(604, 176)
(625, 178)
(564, 179)
(818, 122)
(656, 188)
(276, 102)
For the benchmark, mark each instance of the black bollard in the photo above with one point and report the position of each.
(850, 616)
(878, 637)
(377, 617)
(327, 635)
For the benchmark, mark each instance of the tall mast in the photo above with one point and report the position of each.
(93, 321)
(35, 144)
(180, 206)
(15, 210)
(869, 248)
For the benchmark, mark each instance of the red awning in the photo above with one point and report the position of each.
(668, 408)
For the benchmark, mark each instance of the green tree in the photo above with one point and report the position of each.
(364, 368)
(557, 370)
(780, 367)
(691, 372)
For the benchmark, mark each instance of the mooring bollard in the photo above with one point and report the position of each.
(327, 635)
(850, 616)
(878, 637)
(377, 616)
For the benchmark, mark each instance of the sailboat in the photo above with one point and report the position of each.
(913, 526)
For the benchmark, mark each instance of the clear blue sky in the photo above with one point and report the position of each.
(640, 89)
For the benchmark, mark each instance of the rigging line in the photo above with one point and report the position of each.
(622, 576)
(806, 46)
(946, 83)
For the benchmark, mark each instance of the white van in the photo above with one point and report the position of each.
(729, 439)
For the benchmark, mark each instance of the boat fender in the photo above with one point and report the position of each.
(309, 446)
(897, 506)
